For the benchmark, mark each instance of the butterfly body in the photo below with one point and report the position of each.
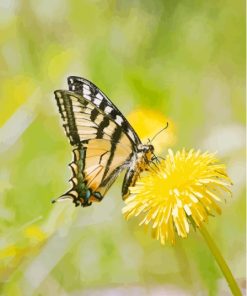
(104, 143)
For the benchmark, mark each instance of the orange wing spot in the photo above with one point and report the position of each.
(93, 199)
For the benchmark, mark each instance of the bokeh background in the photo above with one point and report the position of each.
(183, 60)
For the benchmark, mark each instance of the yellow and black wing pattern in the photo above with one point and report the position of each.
(103, 141)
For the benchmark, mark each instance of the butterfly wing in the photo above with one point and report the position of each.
(93, 94)
(102, 147)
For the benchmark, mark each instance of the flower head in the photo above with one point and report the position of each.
(183, 188)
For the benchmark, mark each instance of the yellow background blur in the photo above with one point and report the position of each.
(184, 59)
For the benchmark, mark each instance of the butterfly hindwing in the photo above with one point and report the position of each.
(88, 169)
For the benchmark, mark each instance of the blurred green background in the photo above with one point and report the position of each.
(183, 58)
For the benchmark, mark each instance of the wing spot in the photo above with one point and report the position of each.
(71, 80)
(108, 109)
(74, 193)
(58, 94)
(86, 87)
(99, 96)
(86, 91)
(119, 120)
(97, 101)
(87, 97)
(130, 133)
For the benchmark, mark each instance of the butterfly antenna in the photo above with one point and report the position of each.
(159, 132)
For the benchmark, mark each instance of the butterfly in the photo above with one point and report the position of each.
(104, 143)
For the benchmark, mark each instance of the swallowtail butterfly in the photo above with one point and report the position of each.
(103, 140)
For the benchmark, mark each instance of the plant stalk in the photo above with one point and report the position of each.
(221, 262)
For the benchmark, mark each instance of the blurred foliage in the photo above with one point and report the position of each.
(184, 59)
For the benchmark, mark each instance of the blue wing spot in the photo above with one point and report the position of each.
(88, 194)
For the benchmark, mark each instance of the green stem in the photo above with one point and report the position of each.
(221, 262)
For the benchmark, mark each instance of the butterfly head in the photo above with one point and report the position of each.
(147, 150)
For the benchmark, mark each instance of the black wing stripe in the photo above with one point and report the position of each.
(94, 114)
(115, 138)
(102, 105)
(72, 133)
(109, 180)
(104, 123)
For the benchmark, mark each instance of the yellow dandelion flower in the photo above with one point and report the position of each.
(183, 188)
(148, 122)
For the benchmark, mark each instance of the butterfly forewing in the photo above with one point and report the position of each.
(92, 93)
